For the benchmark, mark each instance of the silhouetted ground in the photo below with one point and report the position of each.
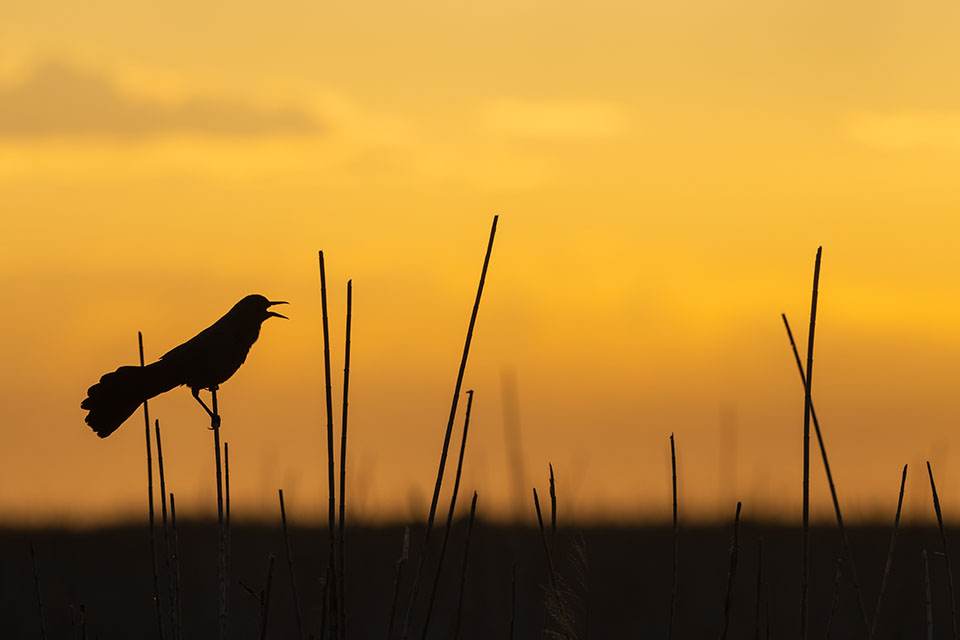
(625, 595)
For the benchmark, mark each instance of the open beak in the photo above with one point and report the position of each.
(274, 313)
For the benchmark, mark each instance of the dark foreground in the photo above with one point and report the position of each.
(624, 591)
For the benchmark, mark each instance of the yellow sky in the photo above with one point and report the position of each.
(664, 174)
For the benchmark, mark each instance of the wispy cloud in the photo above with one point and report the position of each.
(57, 100)
(561, 121)
(907, 129)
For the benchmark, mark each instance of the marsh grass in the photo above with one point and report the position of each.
(566, 591)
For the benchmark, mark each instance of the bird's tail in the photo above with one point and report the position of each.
(114, 399)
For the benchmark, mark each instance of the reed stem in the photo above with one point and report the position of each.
(450, 512)
(513, 601)
(848, 553)
(836, 597)
(293, 581)
(226, 526)
(926, 584)
(553, 509)
(676, 543)
(36, 586)
(404, 554)
(175, 558)
(446, 437)
(893, 544)
(731, 574)
(153, 541)
(805, 555)
(265, 605)
(221, 535)
(756, 615)
(463, 569)
(166, 528)
(343, 461)
(946, 553)
(331, 463)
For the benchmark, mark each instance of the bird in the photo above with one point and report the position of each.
(203, 362)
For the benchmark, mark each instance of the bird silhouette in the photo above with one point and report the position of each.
(203, 362)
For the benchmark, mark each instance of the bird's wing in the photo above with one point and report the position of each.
(198, 343)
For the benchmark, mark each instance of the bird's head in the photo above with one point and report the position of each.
(257, 307)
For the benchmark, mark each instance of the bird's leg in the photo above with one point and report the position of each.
(214, 418)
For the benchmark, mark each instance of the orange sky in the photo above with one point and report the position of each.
(663, 173)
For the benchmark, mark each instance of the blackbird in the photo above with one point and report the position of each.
(203, 362)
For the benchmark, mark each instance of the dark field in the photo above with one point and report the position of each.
(625, 593)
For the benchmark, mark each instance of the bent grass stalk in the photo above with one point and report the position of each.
(805, 555)
(449, 430)
(833, 490)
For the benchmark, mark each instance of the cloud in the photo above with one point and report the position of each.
(907, 130)
(57, 100)
(563, 121)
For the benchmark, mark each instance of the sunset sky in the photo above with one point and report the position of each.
(664, 173)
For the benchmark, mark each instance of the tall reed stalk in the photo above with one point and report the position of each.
(449, 430)
(221, 533)
(293, 580)
(946, 552)
(175, 559)
(676, 543)
(343, 460)
(805, 555)
(331, 586)
(226, 527)
(893, 544)
(153, 541)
